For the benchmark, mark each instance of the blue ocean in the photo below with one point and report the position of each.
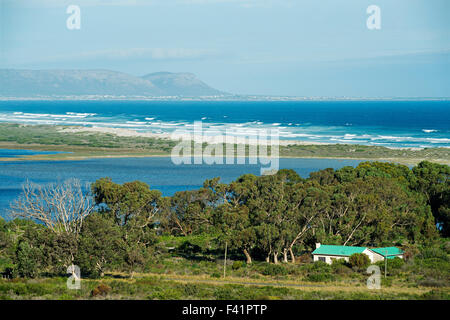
(414, 124)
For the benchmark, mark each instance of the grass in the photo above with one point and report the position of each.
(82, 145)
(162, 287)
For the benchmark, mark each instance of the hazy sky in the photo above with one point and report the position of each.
(276, 47)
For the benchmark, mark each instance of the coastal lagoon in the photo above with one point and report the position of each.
(394, 124)
(159, 172)
(12, 153)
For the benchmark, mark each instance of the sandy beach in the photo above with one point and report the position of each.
(121, 132)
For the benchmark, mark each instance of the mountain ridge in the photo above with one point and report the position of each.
(82, 82)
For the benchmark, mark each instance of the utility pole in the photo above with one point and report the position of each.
(225, 262)
(385, 264)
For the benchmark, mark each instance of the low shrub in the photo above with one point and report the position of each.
(430, 253)
(342, 269)
(224, 293)
(436, 295)
(319, 267)
(304, 258)
(166, 294)
(430, 282)
(320, 277)
(386, 282)
(237, 265)
(446, 247)
(274, 270)
(191, 289)
(101, 290)
(359, 261)
(392, 264)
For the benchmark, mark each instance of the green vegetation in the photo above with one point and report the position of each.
(78, 145)
(56, 135)
(351, 151)
(359, 260)
(90, 144)
(161, 288)
(135, 243)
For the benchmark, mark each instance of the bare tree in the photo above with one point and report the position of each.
(62, 207)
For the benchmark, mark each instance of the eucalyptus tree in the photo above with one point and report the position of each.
(101, 245)
(433, 180)
(189, 212)
(232, 215)
(134, 206)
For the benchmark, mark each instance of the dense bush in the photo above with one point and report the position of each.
(101, 290)
(359, 261)
(319, 271)
(304, 258)
(101, 245)
(188, 249)
(340, 266)
(392, 264)
(430, 282)
(274, 270)
(433, 253)
(319, 267)
(320, 277)
(29, 260)
(237, 265)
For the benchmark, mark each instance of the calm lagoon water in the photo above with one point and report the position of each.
(159, 172)
(12, 153)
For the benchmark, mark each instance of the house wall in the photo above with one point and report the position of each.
(328, 259)
(377, 257)
(370, 254)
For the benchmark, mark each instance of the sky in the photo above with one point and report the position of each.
(270, 47)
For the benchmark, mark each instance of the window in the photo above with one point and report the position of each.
(322, 259)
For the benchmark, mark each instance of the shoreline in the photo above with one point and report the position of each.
(121, 132)
(69, 157)
(82, 143)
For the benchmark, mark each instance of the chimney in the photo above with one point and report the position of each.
(317, 245)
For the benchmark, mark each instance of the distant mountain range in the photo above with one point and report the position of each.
(51, 83)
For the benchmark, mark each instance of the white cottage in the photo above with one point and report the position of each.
(328, 253)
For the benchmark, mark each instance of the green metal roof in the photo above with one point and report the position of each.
(388, 251)
(338, 250)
